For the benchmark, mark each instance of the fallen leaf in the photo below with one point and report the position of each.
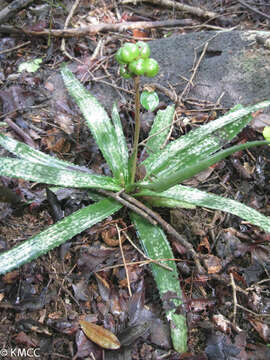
(204, 245)
(262, 329)
(104, 338)
(213, 264)
(138, 34)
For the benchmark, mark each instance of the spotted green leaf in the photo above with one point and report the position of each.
(149, 100)
(160, 129)
(156, 246)
(201, 142)
(211, 201)
(50, 175)
(26, 152)
(57, 234)
(99, 123)
(190, 169)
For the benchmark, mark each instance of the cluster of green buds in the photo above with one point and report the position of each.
(134, 60)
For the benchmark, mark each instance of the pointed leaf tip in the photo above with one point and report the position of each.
(100, 336)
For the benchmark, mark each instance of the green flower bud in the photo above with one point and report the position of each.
(124, 72)
(151, 67)
(129, 52)
(144, 49)
(118, 56)
(137, 67)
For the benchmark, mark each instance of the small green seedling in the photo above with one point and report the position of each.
(149, 100)
(164, 168)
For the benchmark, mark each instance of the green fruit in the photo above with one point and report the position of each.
(144, 49)
(151, 67)
(129, 52)
(124, 72)
(118, 56)
(137, 67)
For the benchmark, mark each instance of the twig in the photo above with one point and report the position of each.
(167, 227)
(177, 6)
(12, 9)
(252, 312)
(171, 94)
(15, 47)
(93, 29)
(154, 218)
(142, 262)
(169, 133)
(63, 42)
(124, 261)
(132, 207)
(234, 298)
(243, 3)
(194, 71)
(146, 257)
(20, 132)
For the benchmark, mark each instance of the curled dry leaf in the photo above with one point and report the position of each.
(104, 338)
(213, 264)
(110, 237)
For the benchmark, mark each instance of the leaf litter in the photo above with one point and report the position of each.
(245, 254)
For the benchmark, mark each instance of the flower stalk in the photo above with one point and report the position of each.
(134, 155)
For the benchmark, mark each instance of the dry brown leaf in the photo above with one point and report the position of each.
(138, 34)
(10, 277)
(110, 237)
(204, 244)
(213, 264)
(104, 338)
(262, 329)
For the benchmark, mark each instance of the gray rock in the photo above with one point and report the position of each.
(235, 64)
(235, 67)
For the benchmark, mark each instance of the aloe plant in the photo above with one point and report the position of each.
(165, 168)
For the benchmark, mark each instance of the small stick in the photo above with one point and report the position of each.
(177, 6)
(143, 262)
(94, 29)
(146, 257)
(63, 42)
(194, 71)
(249, 311)
(132, 207)
(243, 3)
(168, 228)
(234, 298)
(12, 9)
(124, 261)
(15, 47)
(20, 132)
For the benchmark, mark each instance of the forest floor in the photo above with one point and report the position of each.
(42, 302)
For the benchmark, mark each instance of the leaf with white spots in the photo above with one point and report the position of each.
(201, 142)
(26, 152)
(156, 246)
(99, 123)
(160, 129)
(51, 175)
(190, 169)
(57, 234)
(212, 201)
(149, 100)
